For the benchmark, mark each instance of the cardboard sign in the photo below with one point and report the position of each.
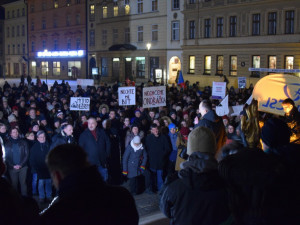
(218, 90)
(80, 104)
(242, 82)
(223, 108)
(126, 95)
(154, 96)
(270, 91)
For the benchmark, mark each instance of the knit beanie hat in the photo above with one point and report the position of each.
(275, 132)
(12, 118)
(172, 125)
(201, 139)
(136, 140)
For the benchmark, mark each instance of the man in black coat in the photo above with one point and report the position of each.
(64, 137)
(158, 148)
(97, 146)
(83, 197)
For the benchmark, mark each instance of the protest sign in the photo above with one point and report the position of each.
(126, 95)
(242, 82)
(80, 104)
(154, 96)
(223, 108)
(85, 82)
(218, 90)
(237, 109)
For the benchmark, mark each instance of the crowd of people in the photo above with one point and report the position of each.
(206, 168)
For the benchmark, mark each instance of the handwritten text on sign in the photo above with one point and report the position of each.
(154, 96)
(126, 95)
(80, 104)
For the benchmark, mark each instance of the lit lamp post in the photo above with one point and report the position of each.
(148, 48)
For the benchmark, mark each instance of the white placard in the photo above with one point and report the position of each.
(218, 90)
(237, 109)
(223, 108)
(85, 82)
(80, 104)
(154, 96)
(126, 95)
(242, 82)
(249, 101)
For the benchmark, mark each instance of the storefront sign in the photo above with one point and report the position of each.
(154, 96)
(126, 95)
(80, 104)
(62, 54)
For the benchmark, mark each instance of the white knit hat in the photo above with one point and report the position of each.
(136, 140)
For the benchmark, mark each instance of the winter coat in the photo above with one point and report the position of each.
(134, 160)
(60, 139)
(24, 152)
(83, 198)
(38, 154)
(197, 195)
(97, 151)
(158, 149)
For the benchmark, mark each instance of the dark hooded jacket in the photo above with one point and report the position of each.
(60, 139)
(197, 195)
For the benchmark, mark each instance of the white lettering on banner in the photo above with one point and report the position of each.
(126, 95)
(154, 96)
(79, 104)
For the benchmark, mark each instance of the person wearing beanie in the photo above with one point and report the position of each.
(196, 194)
(134, 163)
(134, 131)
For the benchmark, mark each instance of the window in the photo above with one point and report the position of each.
(13, 31)
(16, 69)
(256, 24)
(220, 64)
(192, 1)
(44, 5)
(18, 31)
(74, 68)
(68, 2)
(7, 31)
(23, 49)
(289, 22)
(115, 36)
(55, 44)
(140, 66)
(32, 46)
(92, 37)
(43, 23)
(220, 27)
(272, 62)
(23, 30)
(33, 68)
(116, 10)
(192, 60)
(127, 9)
(140, 33)
(140, 6)
(54, 22)
(289, 62)
(44, 44)
(233, 65)
(78, 19)
(32, 8)
(69, 44)
(23, 12)
(78, 43)
(126, 2)
(154, 5)
(68, 20)
(175, 31)
(256, 65)
(155, 32)
(13, 49)
(207, 28)
(127, 35)
(45, 68)
(92, 12)
(77, 1)
(104, 67)
(272, 23)
(18, 13)
(13, 14)
(104, 37)
(56, 68)
(55, 4)
(8, 49)
(192, 29)
(207, 65)
(175, 4)
(32, 26)
(8, 15)
(104, 11)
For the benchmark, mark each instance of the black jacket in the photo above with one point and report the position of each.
(60, 139)
(83, 198)
(97, 151)
(197, 195)
(24, 152)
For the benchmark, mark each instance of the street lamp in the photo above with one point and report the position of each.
(148, 45)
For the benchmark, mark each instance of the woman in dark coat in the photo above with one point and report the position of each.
(134, 162)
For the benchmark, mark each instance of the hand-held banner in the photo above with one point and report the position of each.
(126, 95)
(80, 104)
(219, 90)
(154, 96)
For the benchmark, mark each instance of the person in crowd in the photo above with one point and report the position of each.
(32, 117)
(196, 194)
(31, 174)
(97, 146)
(211, 120)
(83, 197)
(16, 157)
(158, 149)
(135, 131)
(134, 163)
(64, 137)
(103, 112)
(292, 118)
(38, 154)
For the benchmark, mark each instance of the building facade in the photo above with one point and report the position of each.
(2, 44)
(229, 37)
(15, 39)
(57, 38)
(127, 39)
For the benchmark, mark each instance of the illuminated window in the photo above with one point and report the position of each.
(104, 11)
(92, 12)
(55, 4)
(74, 68)
(116, 10)
(255, 64)
(140, 33)
(140, 66)
(192, 60)
(56, 68)
(155, 32)
(289, 62)
(33, 68)
(207, 65)
(140, 6)
(233, 65)
(127, 9)
(45, 68)
(220, 64)
(272, 62)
